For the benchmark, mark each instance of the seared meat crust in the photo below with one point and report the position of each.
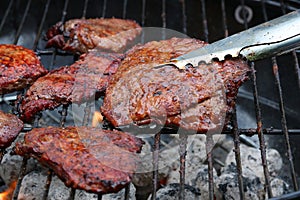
(85, 79)
(19, 68)
(85, 34)
(193, 99)
(92, 159)
(10, 127)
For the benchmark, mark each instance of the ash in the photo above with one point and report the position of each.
(33, 187)
(171, 192)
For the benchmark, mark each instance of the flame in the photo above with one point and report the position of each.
(7, 194)
(97, 119)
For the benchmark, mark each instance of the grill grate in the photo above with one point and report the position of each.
(160, 13)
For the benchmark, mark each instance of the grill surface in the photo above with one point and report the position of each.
(267, 106)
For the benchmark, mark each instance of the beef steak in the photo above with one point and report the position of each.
(77, 83)
(194, 99)
(84, 34)
(10, 127)
(92, 159)
(19, 68)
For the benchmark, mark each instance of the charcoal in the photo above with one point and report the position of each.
(171, 192)
(228, 187)
(195, 158)
(251, 159)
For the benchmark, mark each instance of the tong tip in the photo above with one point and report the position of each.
(180, 64)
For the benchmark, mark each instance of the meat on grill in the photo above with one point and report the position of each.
(193, 99)
(81, 35)
(85, 79)
(92, 159)
(10, 127)
(19, 68)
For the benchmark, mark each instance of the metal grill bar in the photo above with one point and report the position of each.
(163, 16)
(72, 194)
(237, 152)
(258, 116)
(64, 13)
(183, 137)
(143, 13)
(85, 8)
(184, 17)
(87, 114)
(155, 164)
(297, 67)
(21, 175)
(22, 22)
(41, 25)
(209, 146)
(204, 20)
(2, 152)
(209, 139)
(127, 193)
(47, 185)
(260, 132)
(224, 18)
(104, 8)
(6, 14)
(282, 110)
(182, 153)
(124, 8)
(244, 14)
(284, 124)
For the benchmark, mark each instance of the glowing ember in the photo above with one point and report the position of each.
(7, 194)
(97, 119)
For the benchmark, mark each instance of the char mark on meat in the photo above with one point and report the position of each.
(195, 99)
(19, 68)
(10, 127)
(91, 159)
(87, 78)
(82, 35)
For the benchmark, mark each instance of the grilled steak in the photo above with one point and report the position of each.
(85, 34)
(91, 159)
(10, 127)
(85, 79)
(192, 99)
(19, 68)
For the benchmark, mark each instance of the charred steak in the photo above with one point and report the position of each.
(83, 80)
(10, 127)
(95, 160)
(85, 34)
(194, 99)
(19, 68)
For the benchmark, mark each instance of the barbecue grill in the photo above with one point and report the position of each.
(267, 105)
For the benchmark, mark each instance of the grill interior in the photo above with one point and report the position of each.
(267, 106)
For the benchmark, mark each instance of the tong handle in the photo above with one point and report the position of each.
(272, 38)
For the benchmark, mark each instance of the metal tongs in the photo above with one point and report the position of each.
(272, 38)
